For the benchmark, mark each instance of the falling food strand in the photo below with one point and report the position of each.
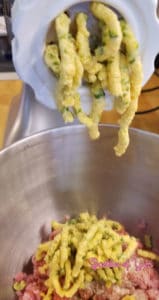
(111, 31)
(136, 77)
(115, 66)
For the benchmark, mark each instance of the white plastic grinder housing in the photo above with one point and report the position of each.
(31, 21)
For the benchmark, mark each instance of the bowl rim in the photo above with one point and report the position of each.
(48, 132)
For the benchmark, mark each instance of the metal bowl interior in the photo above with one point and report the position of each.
(62, 172)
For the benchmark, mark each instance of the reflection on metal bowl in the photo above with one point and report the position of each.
(62, 172)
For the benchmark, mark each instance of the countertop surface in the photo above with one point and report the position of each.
(8, 89)
(149, 100)
(149, 122)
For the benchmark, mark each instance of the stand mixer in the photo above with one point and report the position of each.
(35, 111)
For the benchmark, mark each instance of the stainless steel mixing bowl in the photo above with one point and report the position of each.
(62, 172)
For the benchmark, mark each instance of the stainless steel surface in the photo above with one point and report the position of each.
(62, 172)
(27, 117)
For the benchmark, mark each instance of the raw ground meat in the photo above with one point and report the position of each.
(143, 284)
(140, 279)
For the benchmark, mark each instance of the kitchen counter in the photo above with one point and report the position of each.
(150, 122)
(8, 89)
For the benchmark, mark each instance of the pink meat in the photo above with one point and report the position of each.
(153, 294)
(141, 295)
(54, 233)
(101, 297)
(117, 293)
(142, 282)
(86, 294)
(29, 296)
(20, 276)
(57, 297)
(146, 278)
